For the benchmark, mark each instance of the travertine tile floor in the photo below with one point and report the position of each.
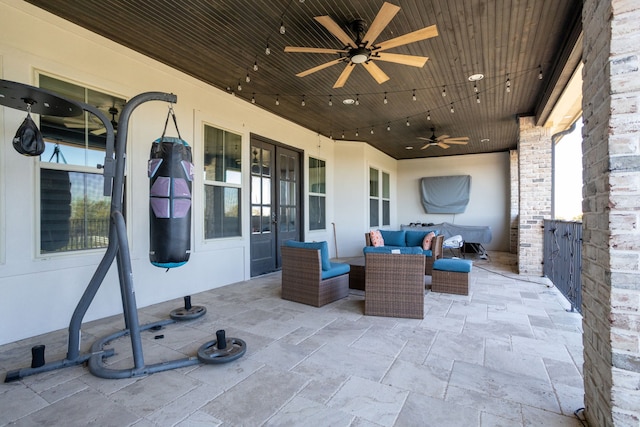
(509, 354)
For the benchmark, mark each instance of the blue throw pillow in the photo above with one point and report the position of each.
(393, 238)
(324, 250)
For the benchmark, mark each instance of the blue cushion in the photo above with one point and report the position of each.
(324, 250)
(451, 264)
(394, 238)
(428, 252)
(415, 238)
(387, 250)
(337, 269)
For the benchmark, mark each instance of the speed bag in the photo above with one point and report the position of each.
(171, 173)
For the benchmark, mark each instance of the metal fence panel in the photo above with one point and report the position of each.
(563, 259)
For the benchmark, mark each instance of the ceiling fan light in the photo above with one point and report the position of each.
(359, 55)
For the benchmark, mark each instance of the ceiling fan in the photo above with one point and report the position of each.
(363, 50)
(443, 141)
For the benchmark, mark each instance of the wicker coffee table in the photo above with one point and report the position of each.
(356, 274)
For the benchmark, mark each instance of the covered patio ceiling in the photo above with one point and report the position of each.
(526, 50)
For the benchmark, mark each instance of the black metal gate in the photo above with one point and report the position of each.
(563, 258)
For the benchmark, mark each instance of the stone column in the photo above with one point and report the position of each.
(513, 201)
(611, 208)
(535, 170)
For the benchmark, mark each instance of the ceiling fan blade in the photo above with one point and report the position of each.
(312, 50)
(442, 145)
(382, 19)
(375, 72)
(423, 34)
(455, 142)
(335, 29)
(414, 61)
(319, 67)
(344, 75)
(427, 145)
(425, 139)
(441, 137)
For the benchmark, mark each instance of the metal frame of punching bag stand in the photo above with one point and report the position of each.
(118, 247)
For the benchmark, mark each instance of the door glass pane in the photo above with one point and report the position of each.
(266, 162)
(266, 219)
(266, 191)
(284, 196)
(292, 193)
(256, 190)
(256, 216)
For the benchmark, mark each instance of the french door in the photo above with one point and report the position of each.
(276, 202)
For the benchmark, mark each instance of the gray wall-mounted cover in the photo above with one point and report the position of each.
(445, 194)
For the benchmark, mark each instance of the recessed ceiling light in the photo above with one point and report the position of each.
(408, 147)
(348, 101)
(476, 77)
(484, 140)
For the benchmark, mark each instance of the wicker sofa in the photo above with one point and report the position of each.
(403, 239)
(308, 277)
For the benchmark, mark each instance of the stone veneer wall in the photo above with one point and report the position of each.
(611, 207)
(535, 172)
(513, 215)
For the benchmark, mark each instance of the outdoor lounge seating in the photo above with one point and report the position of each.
(394, 285)
(308, 277)
(409, 239)
(451, 276)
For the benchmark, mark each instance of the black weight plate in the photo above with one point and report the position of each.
(209, 352)
(183, 314)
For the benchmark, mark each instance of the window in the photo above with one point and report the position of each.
(374, 200)
(222, 183)
(74, 213)
(386, 203)
(317, 194)
(379, 198)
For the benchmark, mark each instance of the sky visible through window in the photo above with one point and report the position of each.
(568, 176)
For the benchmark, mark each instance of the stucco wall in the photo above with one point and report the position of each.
(488, 199)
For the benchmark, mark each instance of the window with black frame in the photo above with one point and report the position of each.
(74, 213)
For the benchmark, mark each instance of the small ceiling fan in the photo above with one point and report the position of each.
(363, 50)
(443, 141)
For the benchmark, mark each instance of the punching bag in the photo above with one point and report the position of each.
(171, 174)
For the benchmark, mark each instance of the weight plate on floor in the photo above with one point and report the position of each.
(210, 353)
(183, 314)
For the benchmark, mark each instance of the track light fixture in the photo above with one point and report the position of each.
(413, 97)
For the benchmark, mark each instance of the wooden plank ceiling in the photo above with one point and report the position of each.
(219, 42)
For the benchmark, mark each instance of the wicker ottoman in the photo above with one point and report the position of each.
(451, 276)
